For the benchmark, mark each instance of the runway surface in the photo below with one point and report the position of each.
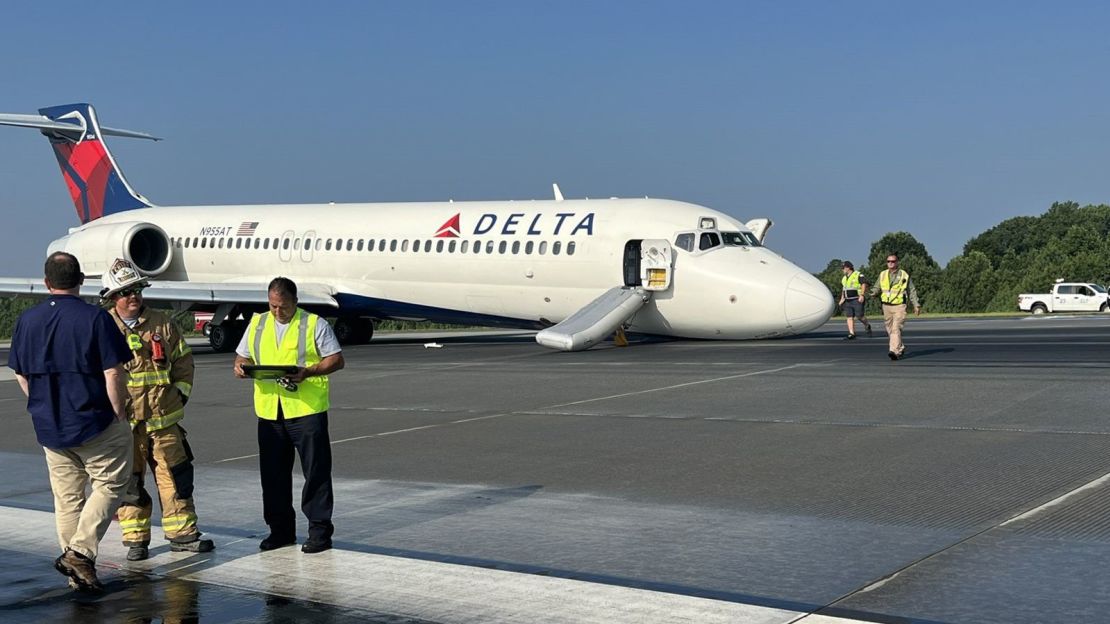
(799, 480)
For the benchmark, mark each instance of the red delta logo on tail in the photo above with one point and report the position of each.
(450, 229)
(95, 183)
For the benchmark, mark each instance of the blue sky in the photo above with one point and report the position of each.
(840, 121)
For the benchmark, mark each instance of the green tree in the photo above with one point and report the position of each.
(967, 284)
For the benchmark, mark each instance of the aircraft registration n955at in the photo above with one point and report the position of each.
(576, 269)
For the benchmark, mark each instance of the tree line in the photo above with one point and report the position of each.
(1019, 255)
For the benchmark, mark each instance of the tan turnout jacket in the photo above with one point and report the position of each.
(157, 390)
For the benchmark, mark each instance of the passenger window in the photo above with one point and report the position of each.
(351, 244)
(221, 243)
(296, 243)
(464, 247)
(516, 247)
(327, 245)
(370, 245)
(684, 241)
(528, 248)
(393, 245)
(570, 248)
(427, 246)
(238, 243)
(358, 246)
(275, 243)
(257, 242)
(319, 244)
(543, 247)
(265, 243)
(451, 247)
(501, 248)
(555, 247)
(1065, 290)
(415, 246)
(285, 243)
(709, 240)
(405, 245)
(489, 247)
(439, 246)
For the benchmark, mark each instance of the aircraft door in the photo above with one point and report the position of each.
(308, 243)
(632, 263)
(285, 246)
(656, 264)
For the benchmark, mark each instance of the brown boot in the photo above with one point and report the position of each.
(79, 568)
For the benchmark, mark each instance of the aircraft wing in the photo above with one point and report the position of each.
(196, 292)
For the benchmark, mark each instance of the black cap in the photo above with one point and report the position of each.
(848, 264)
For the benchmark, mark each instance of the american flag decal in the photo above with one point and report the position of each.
(247, 228)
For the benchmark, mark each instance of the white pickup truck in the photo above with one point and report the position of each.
(1067, 297)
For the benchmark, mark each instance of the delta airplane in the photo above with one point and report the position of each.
(576, 269)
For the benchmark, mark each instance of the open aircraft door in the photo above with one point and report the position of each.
(648, 266)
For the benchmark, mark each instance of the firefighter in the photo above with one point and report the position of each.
(160, 379)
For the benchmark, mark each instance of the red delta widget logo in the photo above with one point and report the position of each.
(521, 223)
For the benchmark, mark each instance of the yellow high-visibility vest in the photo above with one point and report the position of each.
(851, 281)
(298, 348)
(894, 294)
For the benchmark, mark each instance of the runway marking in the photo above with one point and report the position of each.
(692, 383)
(1059, 500)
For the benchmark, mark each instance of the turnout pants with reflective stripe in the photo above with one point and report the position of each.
(171, 463)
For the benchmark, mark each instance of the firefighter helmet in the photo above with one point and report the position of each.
(121, 276)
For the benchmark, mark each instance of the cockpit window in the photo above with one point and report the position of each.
(755, 242)
(709, 240)
(684, 241)
(735, 239)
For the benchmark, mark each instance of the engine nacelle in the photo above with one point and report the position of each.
(96, 246)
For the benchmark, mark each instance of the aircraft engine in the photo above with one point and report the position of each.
(96, 246)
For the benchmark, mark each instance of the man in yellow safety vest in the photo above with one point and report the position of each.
(853, 288)
(292, 413)
(895, 287)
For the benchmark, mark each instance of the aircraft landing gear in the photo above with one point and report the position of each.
(353, 330)
(226, 336)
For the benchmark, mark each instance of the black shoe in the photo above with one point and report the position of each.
(138, 553)
(850, 337)
(271, 542)
(315, 546)
(893, 355)
(868, 331)
(198, 546)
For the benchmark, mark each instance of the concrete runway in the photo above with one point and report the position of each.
(798, 480)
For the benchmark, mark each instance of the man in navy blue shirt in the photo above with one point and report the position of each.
(68, 358)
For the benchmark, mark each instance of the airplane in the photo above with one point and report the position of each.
(578, 270)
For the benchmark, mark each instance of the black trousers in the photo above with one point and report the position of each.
(277, 442)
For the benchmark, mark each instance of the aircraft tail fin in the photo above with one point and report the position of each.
(95, 182)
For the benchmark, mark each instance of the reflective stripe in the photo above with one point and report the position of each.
(185, 387)
(138, 524)
(302, 336)
(149, 378)
(176, 523)
(155, 423)
(258, 336)
(182, 349)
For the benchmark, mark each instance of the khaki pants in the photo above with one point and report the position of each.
(105, 462)
(171, 466)
(894, 317)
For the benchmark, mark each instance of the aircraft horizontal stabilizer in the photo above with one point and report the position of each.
(45, 123)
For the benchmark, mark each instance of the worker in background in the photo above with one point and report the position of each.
(895, 288)
(853, 289)
(292, 414)
(160, 380)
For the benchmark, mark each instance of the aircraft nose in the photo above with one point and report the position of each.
(808, 303)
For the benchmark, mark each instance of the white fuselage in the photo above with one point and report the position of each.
(515, 279)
